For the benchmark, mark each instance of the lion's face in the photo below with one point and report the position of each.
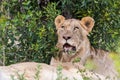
(72, 32)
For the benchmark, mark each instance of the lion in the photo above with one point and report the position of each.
(73, 43)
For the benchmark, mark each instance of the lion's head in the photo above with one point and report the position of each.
(72, 33)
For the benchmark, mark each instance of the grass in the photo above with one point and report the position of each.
(21, 76)
(116, 59)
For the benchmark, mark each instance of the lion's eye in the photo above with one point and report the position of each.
(62, 26)
(75, 28)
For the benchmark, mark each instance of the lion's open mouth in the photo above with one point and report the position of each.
(67, 47)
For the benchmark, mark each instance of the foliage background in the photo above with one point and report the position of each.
(27, 31)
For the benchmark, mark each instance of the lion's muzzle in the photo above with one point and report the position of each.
(67, 47)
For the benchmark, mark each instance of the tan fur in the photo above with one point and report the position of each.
(41, 71)
(29, 70)
(72, 33)
(59, 20)
(87, 23)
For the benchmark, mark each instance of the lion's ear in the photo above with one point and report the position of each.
(58, 20)
(87, 23)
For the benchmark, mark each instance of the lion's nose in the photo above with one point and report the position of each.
(66, 37)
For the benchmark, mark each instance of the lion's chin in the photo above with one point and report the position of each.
(69, 48)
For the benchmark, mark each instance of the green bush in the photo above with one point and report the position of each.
(27, 31)
(28, 35)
